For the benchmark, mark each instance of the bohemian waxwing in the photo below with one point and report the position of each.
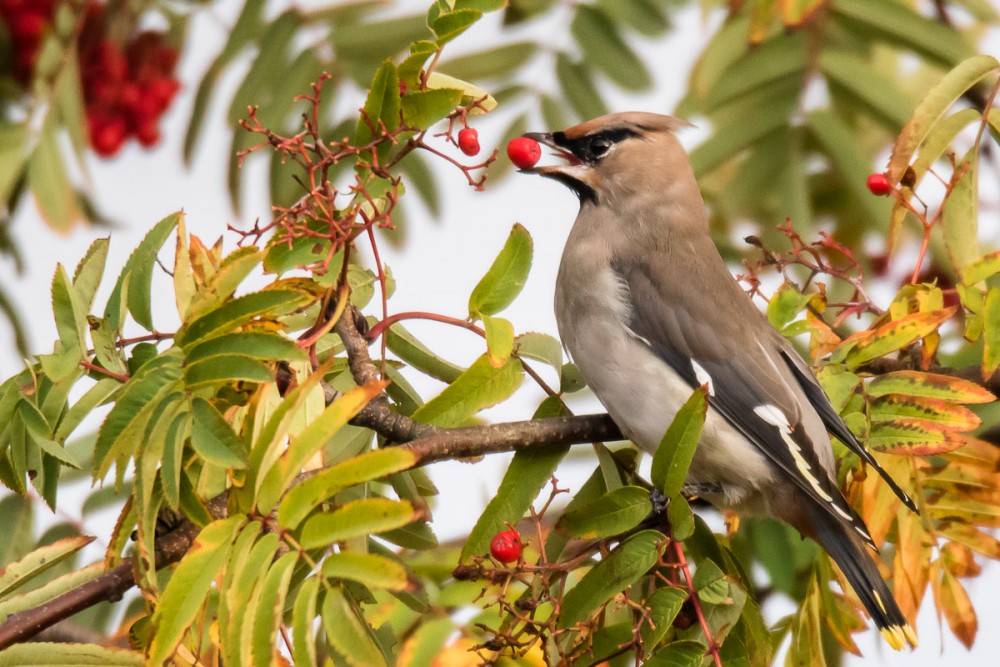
(649, 311)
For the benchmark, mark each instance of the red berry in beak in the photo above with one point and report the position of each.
(524, 152)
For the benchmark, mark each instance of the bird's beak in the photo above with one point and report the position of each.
(572, 161)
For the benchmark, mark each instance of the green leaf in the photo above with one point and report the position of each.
(899, 24)
(840, 143)
(449, 26)
(663, 605)
(38, 561)
(500, 61)
(960, 218)
(916, 437)
(682, 653)
(137, 276)
(781, 56)
(527, 473)
(578, 88)
(623, 567)
(122, 431)
(251, 554)
(934, 105)
(612, 514)
(991, 332)
(213, 438)
(985, 267)
(785, 305)
(304, 497)
(220, 287)
(356, 519)
(673, 456)
(423, 108)
(348, 631)
(238, 312)
(710, 582)
(369, 569)
(405, 346)
(270, 609)
(13, 155)
(54, 194)
(88, 273)
(540, 347)
(603, 47)
(929, 385)
(499, 340)
(224, 369)
(479, 387)
(680, 518)
(49, 654)
(274, 479)
(303, 620)
(254, 345)
(877, 92)
(732, 138)
(190, 585)
(382, 105)
(505, 277)
(49, 590)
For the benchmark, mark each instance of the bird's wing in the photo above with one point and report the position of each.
(833, 422)
(759, 398)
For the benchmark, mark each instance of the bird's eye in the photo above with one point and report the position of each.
(599, 146)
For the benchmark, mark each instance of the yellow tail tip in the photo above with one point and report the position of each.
(899, 636)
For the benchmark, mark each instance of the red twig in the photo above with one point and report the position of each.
(104, 371)
(380, 327)
(713, 649)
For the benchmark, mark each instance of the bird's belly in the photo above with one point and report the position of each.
(643, 394)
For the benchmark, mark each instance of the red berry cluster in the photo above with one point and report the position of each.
(126, 88)
(26, 21)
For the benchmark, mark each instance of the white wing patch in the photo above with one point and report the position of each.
(703, 377)
(774, 416)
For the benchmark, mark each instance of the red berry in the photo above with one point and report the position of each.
(468, 141)
(506, 546)
(524, 152)
(107, 134)
(879, 184)
(148, 133)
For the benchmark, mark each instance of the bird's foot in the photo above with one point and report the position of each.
(695, 489)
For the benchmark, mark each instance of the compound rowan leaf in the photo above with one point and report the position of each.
(28, 567)
(371, 570)
(356, 519)
(270, 609)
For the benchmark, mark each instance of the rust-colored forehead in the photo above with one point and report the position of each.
(640, 122)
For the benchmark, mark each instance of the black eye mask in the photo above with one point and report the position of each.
(592, 147)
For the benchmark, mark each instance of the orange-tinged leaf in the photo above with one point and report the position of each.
(960, 560)
(910, 572)
(897, 334)
(985, 515)
(991, 333)
(976, 540)
(916, 437)
(982, 268)
(954, 417)
(929, 385)
(954, 602)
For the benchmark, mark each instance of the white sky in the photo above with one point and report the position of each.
(434, 273)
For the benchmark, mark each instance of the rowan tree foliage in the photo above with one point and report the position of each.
(267, 450)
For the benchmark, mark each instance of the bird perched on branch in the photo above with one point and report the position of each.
(649, 311)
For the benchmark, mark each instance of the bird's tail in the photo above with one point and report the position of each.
(848, 551)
